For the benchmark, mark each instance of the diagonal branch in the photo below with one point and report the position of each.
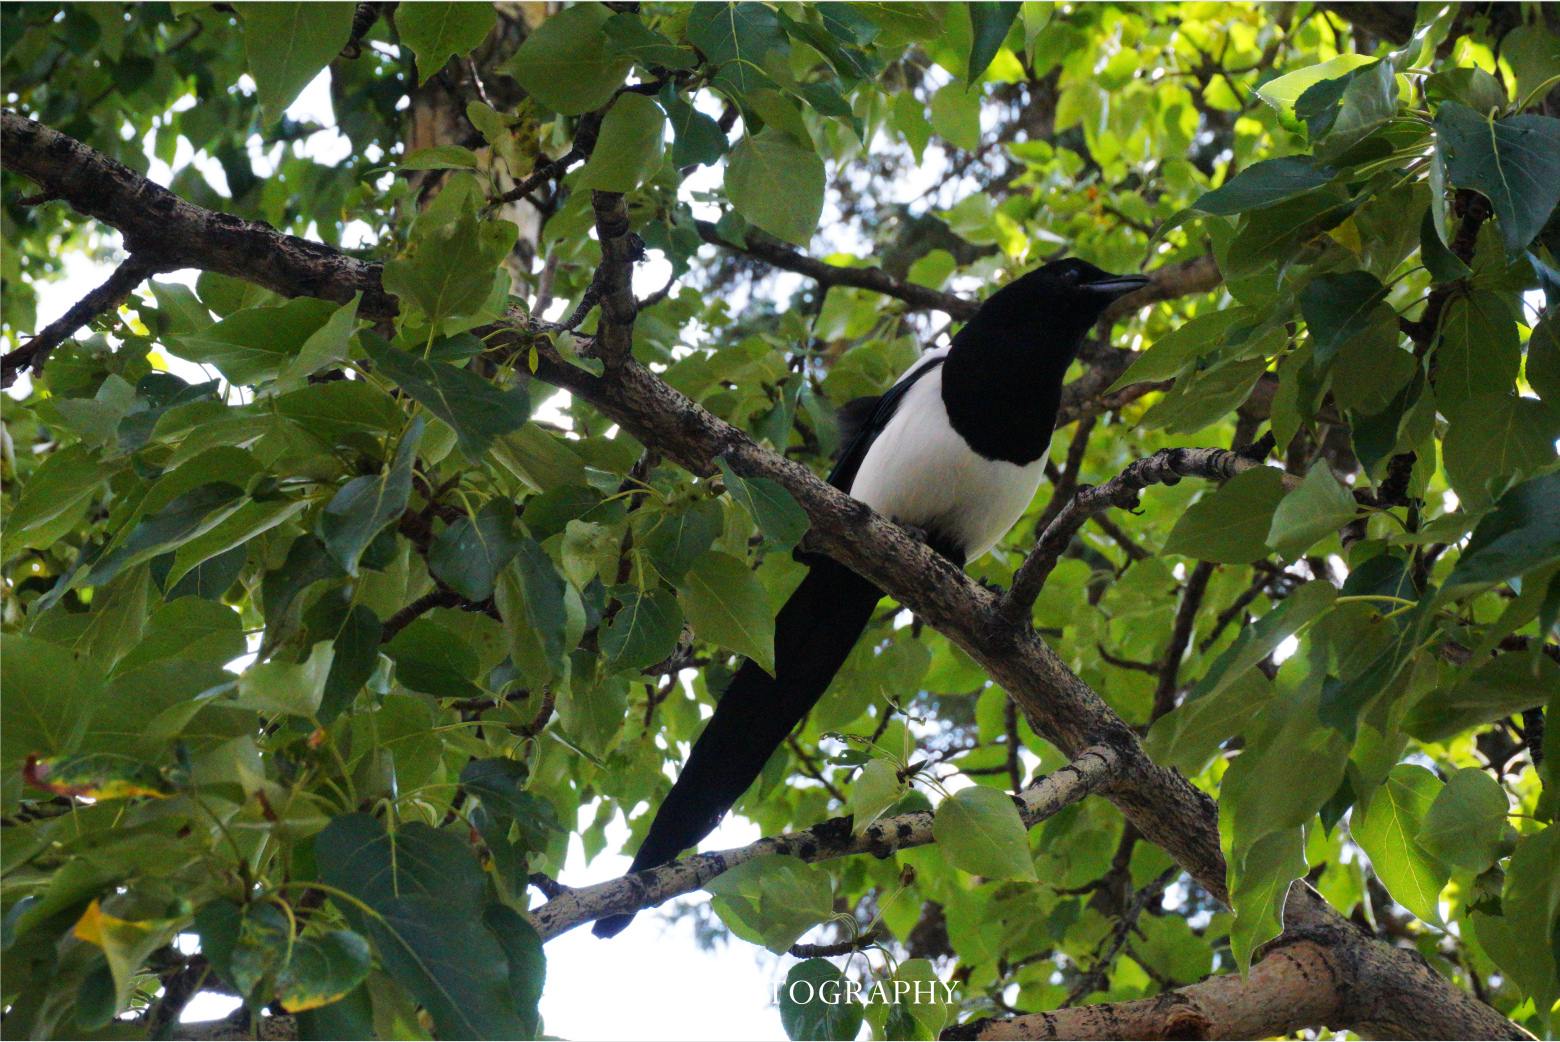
(31, 355)
(1167, 467)
(158, 223)
(827, 275)
(1093, 769)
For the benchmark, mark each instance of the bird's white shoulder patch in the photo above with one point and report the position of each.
(920, 472)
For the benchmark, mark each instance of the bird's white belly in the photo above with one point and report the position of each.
(920, 472)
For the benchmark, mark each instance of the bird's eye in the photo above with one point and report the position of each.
(1070, 276)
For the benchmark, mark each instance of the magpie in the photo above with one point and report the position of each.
(956, 449)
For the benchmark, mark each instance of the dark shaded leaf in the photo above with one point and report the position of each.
(364, 505)
(469, 554)
(1514, 162)
(476, 409)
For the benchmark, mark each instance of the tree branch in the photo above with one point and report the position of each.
(1089, 772)
(1180, 637)
(157, 223)
(33, 354)
(829, 275)
(1167, 466)
(1322, 970)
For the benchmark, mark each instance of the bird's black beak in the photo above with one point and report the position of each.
(1116, 286)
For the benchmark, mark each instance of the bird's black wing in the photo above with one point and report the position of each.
(861, 420)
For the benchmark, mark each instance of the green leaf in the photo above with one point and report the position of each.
(1371, 369)
(1231, 525)
(813, 1002)
(539, 459)
(307, 562)
(776, 183)
(527, 962)
(288, 44)
(1514, 162)
(699, 140)
(286, 687)
(440, 157)
(772, 900)
(734, 38)
(1191, 734)
(1196, 336)
(1505, 685)
(1320, 506)
(355, 633)
(568, 64)
(1337, 307)
(1204, 396)
(364, 505)
(436, 31)
(254, 345)
(955, 115)
(54, 498)
(647, 47)
(330, 410)
(1284, 91)
(50, 692)
(429, 933)
(1258, 890)
(469, 554)
(1522, 533)
(630, 148)
(989, 23)
(188, 628)
(772, 508)
(251, 519)
(477, 410)
(1521, 938)
(322, 969)
(1479, 351)
(727, 606)
(1466, 825)
(1491, 438)
(1543, 362)
(185, 517)
(877, 788)
(530, 599)
(677, 538)
(1387, 835)
(432, 659)
(1442, 264)
(644, 631)
(979, 830)
(1260, 184)
(327, 346)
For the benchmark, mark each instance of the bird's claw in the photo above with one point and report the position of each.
(995, 588)
(918, 534)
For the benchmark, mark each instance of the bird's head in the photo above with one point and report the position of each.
(1066, 295)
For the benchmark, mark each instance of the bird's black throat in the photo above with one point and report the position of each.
(1002, 386)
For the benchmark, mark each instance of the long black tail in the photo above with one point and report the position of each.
(814, 634)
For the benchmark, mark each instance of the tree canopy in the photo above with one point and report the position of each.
(323, 658)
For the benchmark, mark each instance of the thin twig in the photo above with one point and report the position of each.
(1167, 466)
(1180, 637)
(811, 770)
(32, 355)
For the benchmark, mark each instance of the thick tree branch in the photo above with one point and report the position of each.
(33, 354)
(1089, 772)
(157, 223)
(1322, 970)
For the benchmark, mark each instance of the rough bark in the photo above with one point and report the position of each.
(1091, 770)
(1322, 971)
